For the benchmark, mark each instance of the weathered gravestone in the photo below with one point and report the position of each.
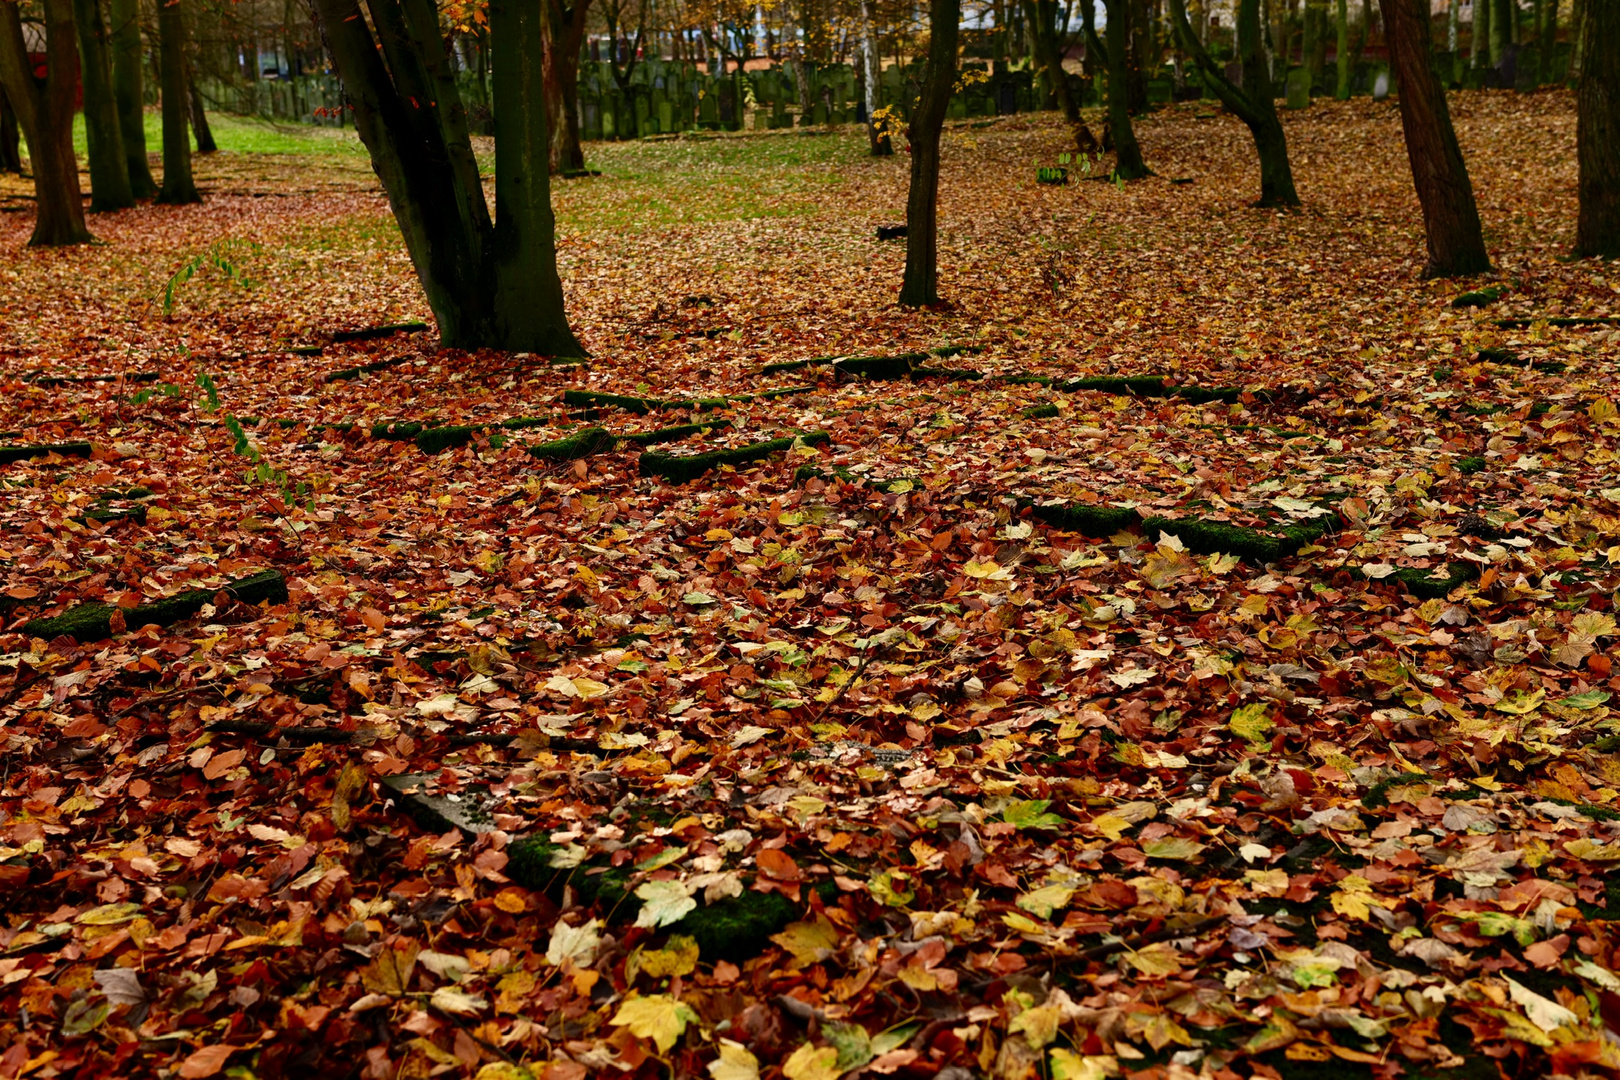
(1299, 88)
(1380, 89)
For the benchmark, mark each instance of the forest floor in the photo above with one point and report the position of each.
(1199, 665)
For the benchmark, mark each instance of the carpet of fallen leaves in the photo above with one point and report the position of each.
(1042, 803)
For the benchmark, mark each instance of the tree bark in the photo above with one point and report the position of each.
(1341, 90)
(45, 115)
(563, 29)
(1137, 53)
(178, 186)
(127, 93)
(921, 284)
(1254, 103)
(109, 169)
(1046, 40)
(1450, 216)
(198, 113)
(1597, 132)
(1479, 47)
(490, 284)
(872, 66)
(1128, 163)
(1499, 30)
(10, 137)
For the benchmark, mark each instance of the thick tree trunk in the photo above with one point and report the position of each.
(1450, 216)
(178, 186)
(878, 134)
(1138, 52)
(45, 115)
(199, 113)
(1341, 88)
(1128, 163)
(1597, 132)
(921, 284)
(1253, 103)
(1499, 30)
(564, 29)
(1479, 49)
(109, 169)
(10, 137)
(491, 285)
(127, 93)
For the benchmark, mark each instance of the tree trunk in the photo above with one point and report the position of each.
(1549, 41)
(1137, 53)
(1254, 103)
(199, 114)
(1450, 217)
(921, 284)
(491, 285)
(1046, 41)
(1597, 132)
(178, 186)
(877, 133)
(564, 30)
(10, 137)
(45, 115)
(127, 93)
(1499, 30)
(1452, 7)
(1341, 89)
(1480, 48)
(109, 169)
(1128, 163)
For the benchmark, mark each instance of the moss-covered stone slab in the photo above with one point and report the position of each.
(667, 434)
(1145, 386)
(75, 380)
(838, 472)
(1040, 412)
(1560, 320)
(681, 468)
(348, 373)
(1255, 546)
(438, 813)
(858, 365)
(1478, 297)
(581, 444)
(367, 333)
(399, 430)
(1088, 520)
(9, 454)
(93, 622)
(1423, 584)
(108, 514)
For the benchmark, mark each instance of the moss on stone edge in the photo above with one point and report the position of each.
(9, 454)
(1478, 297)
(581, 444)
(434, 440)
(1148, 386)
(1254, 546)
(1421, 585)
(851, 363)
(105, 514)
(398, 430)
(737, 928)
(838, 472)
(1095, 521)
(1040, 412)
(668, 434)
(346, 374)
(93, 622)
(1471, 465)
(952, 374)
(680, 468)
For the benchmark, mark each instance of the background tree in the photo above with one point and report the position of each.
(563, 29)
(1341, 89)
(1450, 216)
(871, 77)
(1128, 163)
(197, 110)
(921, 284)
(104, 139)
(45, 115)
(127, 94)
(10, 137)
(178, 186)
(490, 284)
(1253, 103)
(1597, 133)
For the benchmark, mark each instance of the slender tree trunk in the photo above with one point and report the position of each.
(564, 30)
(109, 169)
(178, 186)
(10, 137)
(1128, 163)
(1137, 52)
(882, 144)
(1341, 89)
(45, 115)
(1480, 49)
(1499, 31)
(1577, 20)
(1450, 216)
(1597, 132)
(127, 93)
(1046, 41)
(199, 114)
(1452, 7)
(921, 284)
(1549, 41)
(1254, 103)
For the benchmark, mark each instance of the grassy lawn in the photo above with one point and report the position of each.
(249, 135)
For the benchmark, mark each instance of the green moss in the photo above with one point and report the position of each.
(1251, 545)
(668, 434)
(581, 444)
(93, 622)
(945, 352)
(1498, 356)
(529, 864)
(523, 423)
(398, 430)
(104, 514)
(1541, 408)
(838, 472)
(1469, 465)
(1040, 412)
(1088, 520)
(638, 405)
(439, 439)
(680, 468)
(873, 367)
(136, 492)
(1150, 386)
(1378, 794)
(1420, 584)
(737, 928)
(28, 453)
(1478, 297)
(951, 374)
(345, 374)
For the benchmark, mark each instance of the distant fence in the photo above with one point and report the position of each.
(662, 97)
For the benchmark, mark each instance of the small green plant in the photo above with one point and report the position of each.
(209, 388)
(223, 255)
(168, 390)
